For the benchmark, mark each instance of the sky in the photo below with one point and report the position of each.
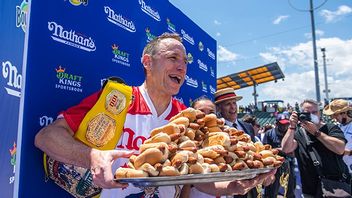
(252, 33)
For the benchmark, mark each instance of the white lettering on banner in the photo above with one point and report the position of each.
(170, 26)
(120, 56)
(149, 11)
(204, 87)
(21, 15)
(119, 20)
(187, 37)
(191, 82)
(45, 120)
(212, 73)
(211, 54)
(212, 89)
(202, 65)
(10, 72)
(70, 37)
(68, 81)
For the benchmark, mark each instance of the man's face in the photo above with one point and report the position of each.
(311, 108)
(282, 128)
(167, 68)
(228, 109)
(206, 106)
(340, 117)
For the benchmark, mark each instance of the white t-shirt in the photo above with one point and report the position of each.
(347, 131)
(141, 119)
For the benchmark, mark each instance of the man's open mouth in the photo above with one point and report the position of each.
(175, 78)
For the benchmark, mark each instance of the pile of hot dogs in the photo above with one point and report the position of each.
(195, 143)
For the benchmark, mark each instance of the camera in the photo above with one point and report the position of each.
(304, 116)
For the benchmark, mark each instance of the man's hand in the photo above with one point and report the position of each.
(101, 167)
(310, 127)
(293, 120)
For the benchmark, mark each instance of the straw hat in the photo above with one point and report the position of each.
(337, 106)
(226, 94)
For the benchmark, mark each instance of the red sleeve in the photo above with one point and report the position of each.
(75, 114)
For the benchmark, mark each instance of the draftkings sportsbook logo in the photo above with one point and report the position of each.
(71, 38)
(120, 56)
(14, 79)
(79, 2)
(204, 87)
(212, 72)
(171, 27)
(191, 82)
(202, 65)
(187, 37)
(149, 35)
(119, 20)
(67, 81)
(21, 15)
(149, 10)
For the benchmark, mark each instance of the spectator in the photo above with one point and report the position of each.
(274, 137)
(342, 113)
(251, 119)
(325, 140)
(204, 104)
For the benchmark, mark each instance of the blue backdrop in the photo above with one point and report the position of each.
(12, 30)
(72, 45)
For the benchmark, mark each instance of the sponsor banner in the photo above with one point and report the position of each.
(70, 51)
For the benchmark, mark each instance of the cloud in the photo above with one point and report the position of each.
(225, 55)
(296, 63)
(279, 19)
(218, 34)
(317, 33)
(334, 16)
(216, 22)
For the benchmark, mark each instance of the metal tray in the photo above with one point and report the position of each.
(194, 178)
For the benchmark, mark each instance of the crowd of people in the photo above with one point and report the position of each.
(165, 64)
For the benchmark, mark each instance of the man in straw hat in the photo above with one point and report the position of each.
(226, 106)
(341, 111)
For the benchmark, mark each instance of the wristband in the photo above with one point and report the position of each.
(317, 133)
(292, 127)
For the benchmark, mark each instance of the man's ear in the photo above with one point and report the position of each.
(146, 61)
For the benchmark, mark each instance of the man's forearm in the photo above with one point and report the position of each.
(335, 145)
(288, 143)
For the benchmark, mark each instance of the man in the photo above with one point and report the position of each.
(226, 106)
(341, 111)
(274, 137)
(204, 104)
(326, 140)
(165, 64)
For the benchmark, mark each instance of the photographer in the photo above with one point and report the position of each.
(314, 141)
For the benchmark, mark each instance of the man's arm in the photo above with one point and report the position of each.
(288, 143)
(332, 143)
(57, 141)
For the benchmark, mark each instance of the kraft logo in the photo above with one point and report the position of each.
(71, 38)
(21, 15)
(45, 120)
(202, 65)
(119, 20)
(191, 82)
(10, 72)
(149, 11)
(187, 37)
(211, 54)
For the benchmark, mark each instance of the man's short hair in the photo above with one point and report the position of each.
(150, 48)
(310, 101)
(201, 98)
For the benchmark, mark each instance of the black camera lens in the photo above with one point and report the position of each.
(304, 116)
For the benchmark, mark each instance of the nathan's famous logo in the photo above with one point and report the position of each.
(189, 58)
(212, 89)
(119, 20)
(212, 72)
(120, 56)
(179, 99)
(187, 37)
(150, 36)
(14, 79)
(204, 87)
(71, 38)
(45, 121)
(202, 65)
(149, 11)
(191, 82)
(67, 81)
(21, 15)
(211, 54)
(170, 26)
(79, 2)
(13, 151)
(200, 46)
